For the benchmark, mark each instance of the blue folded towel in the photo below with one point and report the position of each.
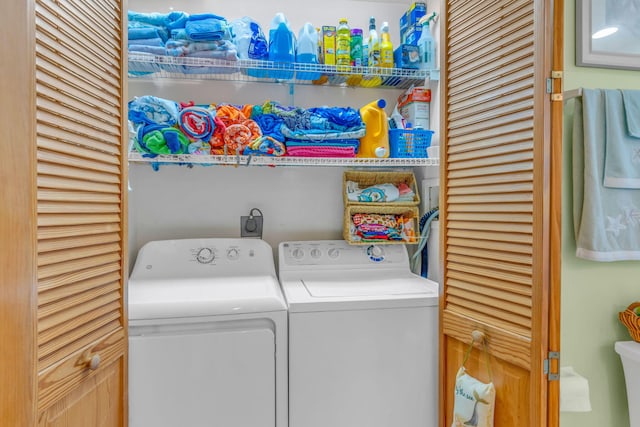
(138, 33)
(631, 100)
(154, 50)
(606, 220)
(170, 20)
(622, 153)
(207, 26)
(147, 42)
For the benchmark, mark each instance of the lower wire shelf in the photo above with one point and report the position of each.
(204, 160)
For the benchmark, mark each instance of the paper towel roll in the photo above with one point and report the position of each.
(574, 391)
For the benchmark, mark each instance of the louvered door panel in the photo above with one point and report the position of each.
(81, 206)
(493, 206)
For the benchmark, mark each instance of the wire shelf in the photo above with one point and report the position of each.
(205, 160)
(143, 65)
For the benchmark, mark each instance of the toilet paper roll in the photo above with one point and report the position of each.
(574, 391)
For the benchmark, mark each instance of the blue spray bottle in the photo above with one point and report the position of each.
(426, 44)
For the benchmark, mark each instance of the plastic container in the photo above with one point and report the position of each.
(307, 53)
(343, 45)
(386, 47)
(375, 143)
(409, 143)
(281, 48)
(373, 41)
(356, 47)
(426, 47)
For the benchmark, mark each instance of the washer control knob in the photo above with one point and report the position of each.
(233, 254)
(375, 253)
(205, 256)
(297, 253)
(333, 253)
(316, 253)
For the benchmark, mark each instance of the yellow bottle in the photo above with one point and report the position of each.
(386, 47)
(375, 142)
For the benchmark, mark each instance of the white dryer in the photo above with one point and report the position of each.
(207, 335)
(363, 336)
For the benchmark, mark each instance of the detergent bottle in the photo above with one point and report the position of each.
(386, 47)
(281, 47)
(426, 44)
(374, 44)
(307, 52)
(375, 142)
(343, 45)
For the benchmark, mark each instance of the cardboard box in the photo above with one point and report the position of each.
(411, 17)
(414, 106)
(406, 56)
(329, 44)
(412, 35)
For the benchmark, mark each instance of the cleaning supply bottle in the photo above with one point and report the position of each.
(374, 44)
(356, 47)
(307, 51)
(386, 48)
(281, 47)
(426, 44)
(375, 142)
(343, 45)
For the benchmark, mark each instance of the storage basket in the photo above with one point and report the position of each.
(406, 211)
(368, 178)
(631, 320)
(409, 143)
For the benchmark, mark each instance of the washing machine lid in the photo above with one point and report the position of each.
(357, 291)
(166, 299)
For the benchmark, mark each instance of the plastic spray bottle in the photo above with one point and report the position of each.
(375, 142)
(373, 43)
(426, 44)
(386, 48)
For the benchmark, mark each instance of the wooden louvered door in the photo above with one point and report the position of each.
(81, 184)
(497, 207)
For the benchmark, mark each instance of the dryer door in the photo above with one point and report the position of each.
(207, 374)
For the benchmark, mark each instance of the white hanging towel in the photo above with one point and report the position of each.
(622, 139)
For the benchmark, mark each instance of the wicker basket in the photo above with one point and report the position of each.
(368, 178)
(631, 320)
(406, 211)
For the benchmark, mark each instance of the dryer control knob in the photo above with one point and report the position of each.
(205, 256)
(333, 252)
(297, 253)
(233, 254)
(377, 251)
(316, 253)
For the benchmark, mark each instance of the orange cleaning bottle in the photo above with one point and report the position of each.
(375, 142)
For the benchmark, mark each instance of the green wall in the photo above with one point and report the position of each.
(592, 292)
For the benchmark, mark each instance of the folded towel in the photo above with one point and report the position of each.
(143, 33)
(207, 26)
(197, 123)
(158, 139)
(622, 153)
(266, 146)
(170, 20)
(271, 125)
(631, 100)
(147, 42)
(149, 109)
(606, 220)
(155, 50)
(323, 151)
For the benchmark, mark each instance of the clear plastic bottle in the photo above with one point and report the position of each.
(374, 44)
(426, 45)
(343, 44)
(307, 51)
(386, 47)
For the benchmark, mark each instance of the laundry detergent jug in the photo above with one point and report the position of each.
(375, 142)
(307, 52)
(281, 48)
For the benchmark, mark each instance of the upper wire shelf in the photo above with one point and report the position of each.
(143, 65)
(205, 160)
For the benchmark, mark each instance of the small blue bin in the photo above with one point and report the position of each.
(409, 143)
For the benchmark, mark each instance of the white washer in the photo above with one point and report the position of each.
(207, 335)
(363, 336)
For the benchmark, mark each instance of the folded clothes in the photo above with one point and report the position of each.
(150, 109)
(170, 20)
(323, 151)
(157, 41)
(265, 145)
(323, 143)
(155, 50)
(376, 193)
(373, 227)
(139, 33)
(207, 26)
(197, 123)
(271, 125)
(158, 139)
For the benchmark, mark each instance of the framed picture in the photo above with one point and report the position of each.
(608, 33)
